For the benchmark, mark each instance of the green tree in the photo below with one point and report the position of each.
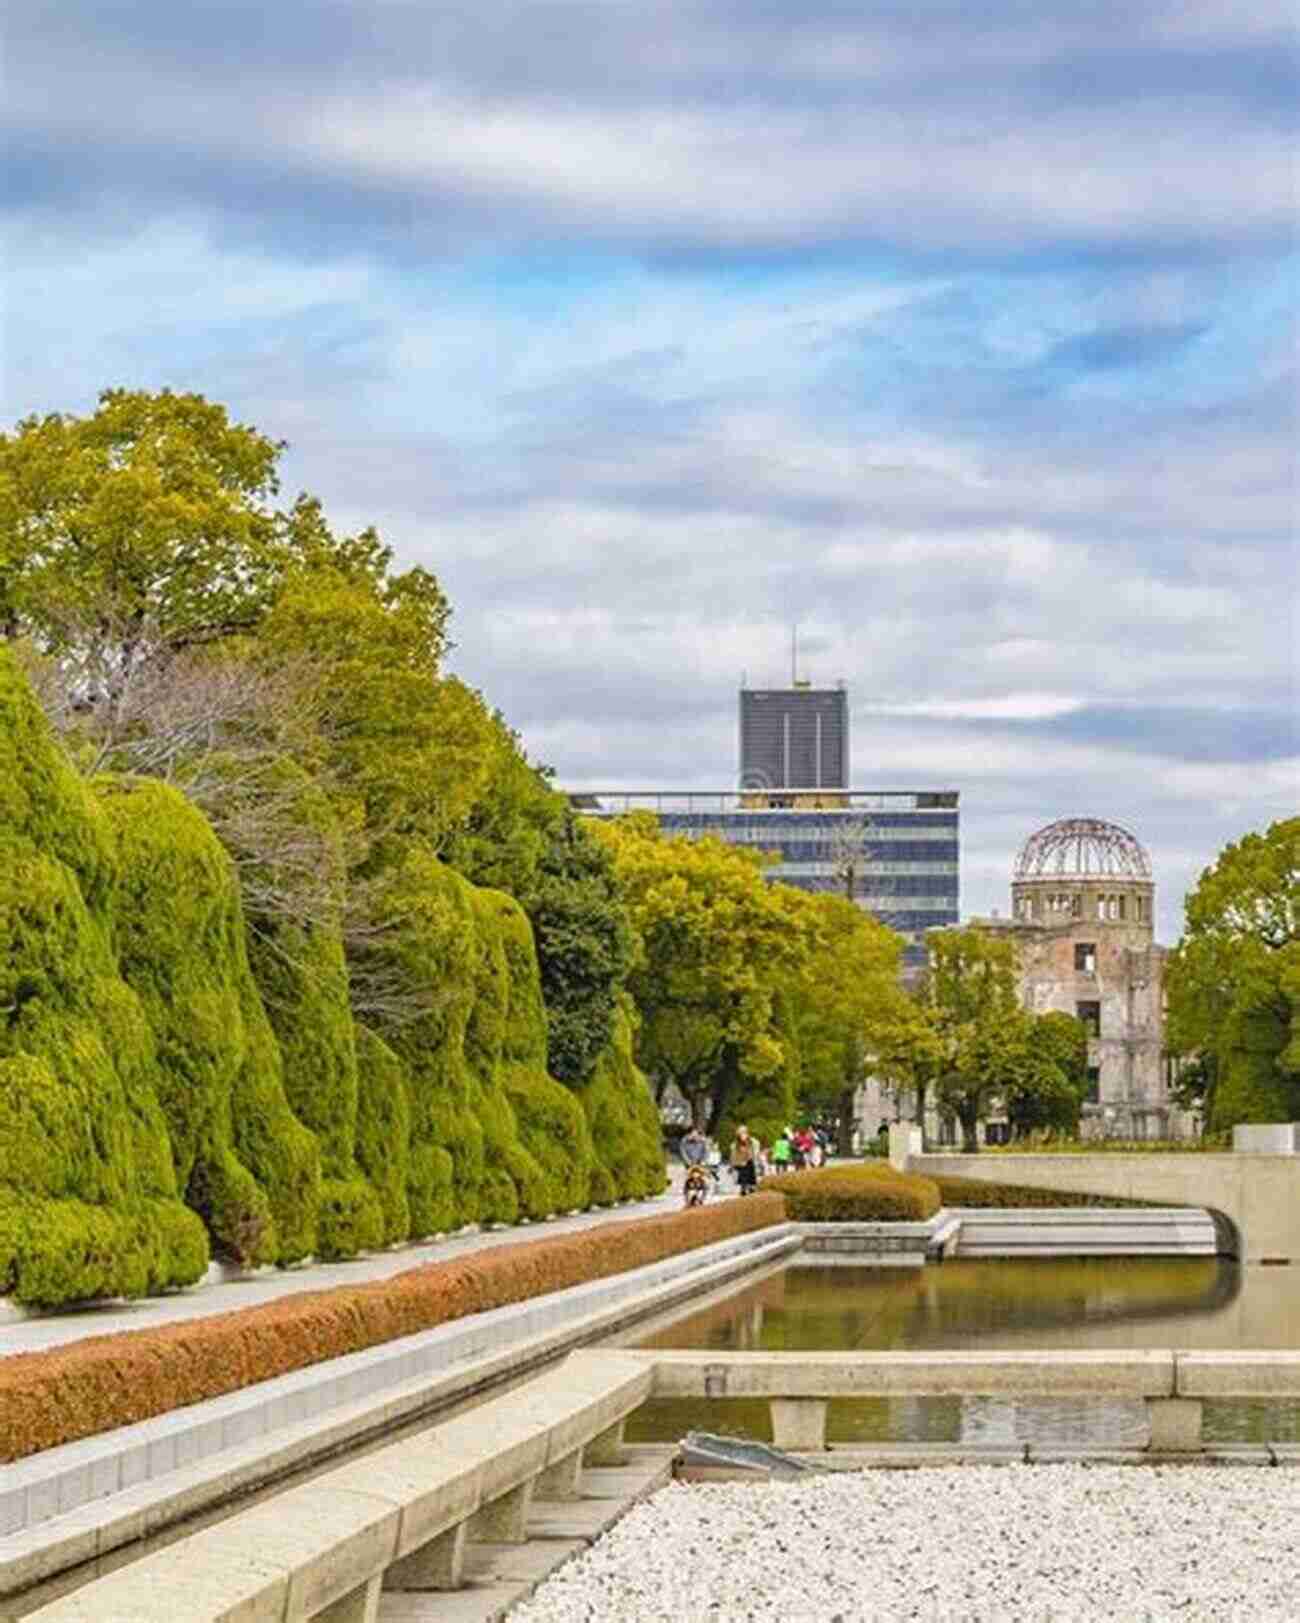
(1060, 1041)
(847, 1005)
(715, 946)
(1233, 981)
(522, 837)
(990, 1048)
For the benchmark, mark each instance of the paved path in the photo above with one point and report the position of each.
(19, 1333)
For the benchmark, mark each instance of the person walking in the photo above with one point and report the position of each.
(743, 1162)
(781, 1151)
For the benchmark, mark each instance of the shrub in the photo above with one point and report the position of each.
(247, 1165)
(437, 947)
(303, 982)
(980, 1192)
(856, 1194)
(95, 1385)
(553, 1129)
(384, 1131)
(1111, 1146)
(625, 1131)
(88, 1195)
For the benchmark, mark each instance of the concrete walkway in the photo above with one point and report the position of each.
(20, 1333)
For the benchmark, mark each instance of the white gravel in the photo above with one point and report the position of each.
(1140, 1544)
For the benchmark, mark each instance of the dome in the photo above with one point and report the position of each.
(1082, 848)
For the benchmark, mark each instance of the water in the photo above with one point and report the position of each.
(1094, 1302)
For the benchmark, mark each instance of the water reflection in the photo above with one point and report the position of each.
(1093, 1302)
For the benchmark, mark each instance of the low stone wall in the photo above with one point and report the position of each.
(1255, 1197)
(401, 1518)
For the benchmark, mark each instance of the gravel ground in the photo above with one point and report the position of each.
(1139, 1544)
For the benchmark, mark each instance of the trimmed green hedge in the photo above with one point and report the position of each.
(1212, 1143)
(89, 1204)
(980, 1192)
(856, 1194)
(165, 1070)
(245, 1161)
(102, 1382)
(625, 1132)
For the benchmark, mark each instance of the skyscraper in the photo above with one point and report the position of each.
(794, 738)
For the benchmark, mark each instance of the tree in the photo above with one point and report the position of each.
(1051, 1089)
(522, 837)
(846, 1004)
(716, 945)
(1233, 981)
(849, 855)
(150, 513)
(990, 1049)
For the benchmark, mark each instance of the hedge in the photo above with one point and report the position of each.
(856, 1194)
(89, 1202)
(982, 1192)
(1212, 1143)
(92, 1386)
(243, 1159)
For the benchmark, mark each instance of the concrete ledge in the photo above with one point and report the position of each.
(887, 1374)
(323, 1549)
(1238, 1374)
(1065, 1231)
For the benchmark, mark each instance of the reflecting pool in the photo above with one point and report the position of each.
(1088, 1302)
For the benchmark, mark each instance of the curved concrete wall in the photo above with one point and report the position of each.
(1256, 1197)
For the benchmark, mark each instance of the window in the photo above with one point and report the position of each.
(1090, 1013)
(1121, 900)
(1093, 1095)
(1085, 957)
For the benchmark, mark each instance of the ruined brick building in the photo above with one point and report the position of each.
(1082, 918)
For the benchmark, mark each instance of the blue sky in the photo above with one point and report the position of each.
(965, 337)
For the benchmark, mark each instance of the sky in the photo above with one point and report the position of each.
(963, 337)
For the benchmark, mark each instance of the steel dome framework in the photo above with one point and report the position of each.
(1082, 848)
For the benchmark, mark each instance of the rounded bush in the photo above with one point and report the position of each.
(856, 1194)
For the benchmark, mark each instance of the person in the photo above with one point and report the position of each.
(694, 1147)
(696, 1187)
(742, 1160)
(781, 1151)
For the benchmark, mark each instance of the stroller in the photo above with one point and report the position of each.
(696, 1187)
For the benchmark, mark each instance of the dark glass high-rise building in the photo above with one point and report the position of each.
(794, 738)
(894, 852)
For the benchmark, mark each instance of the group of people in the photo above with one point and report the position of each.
(792, 1150)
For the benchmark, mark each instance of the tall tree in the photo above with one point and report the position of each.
(1233, 981)
(846, 1005)
(716, 946)
(984, 1037)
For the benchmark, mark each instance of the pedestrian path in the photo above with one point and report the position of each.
(38, 1333)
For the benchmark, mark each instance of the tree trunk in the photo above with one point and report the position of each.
(968, 1114)
(844, 1127)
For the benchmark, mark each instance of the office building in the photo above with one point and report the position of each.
(794, 738)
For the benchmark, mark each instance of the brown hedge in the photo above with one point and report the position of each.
(983, 1192)
(856, 1194)
(92, 1386)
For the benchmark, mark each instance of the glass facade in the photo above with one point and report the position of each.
(898, 851)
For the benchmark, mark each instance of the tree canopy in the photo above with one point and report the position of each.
(1233, 981)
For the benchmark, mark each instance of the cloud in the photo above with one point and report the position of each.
(962, 338)
(722, 127)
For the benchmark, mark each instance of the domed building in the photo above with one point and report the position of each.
(1083, 909)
